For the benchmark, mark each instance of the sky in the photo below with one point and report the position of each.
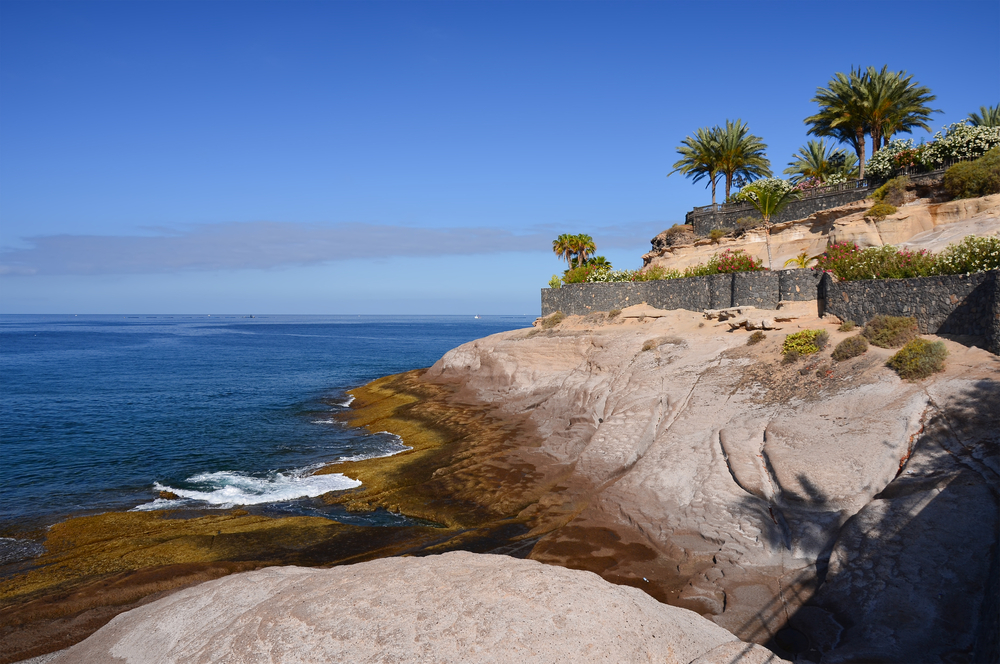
(401, 157)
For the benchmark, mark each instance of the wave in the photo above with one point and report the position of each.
(346, 403)
(381, 444)
(225, 489)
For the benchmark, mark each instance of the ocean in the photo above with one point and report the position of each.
(101, 413)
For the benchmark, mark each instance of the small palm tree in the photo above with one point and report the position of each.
(817, 160)
(599, 261)
(988, 116)
(741, 154)
(699, 158)
(802, 260)
(769, 197)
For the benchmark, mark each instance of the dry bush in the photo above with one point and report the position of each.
(891, 331)
(756, 338)
(850, 347)
(846, 326)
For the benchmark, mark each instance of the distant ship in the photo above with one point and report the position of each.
(477, 315)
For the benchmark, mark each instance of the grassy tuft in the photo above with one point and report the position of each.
(552, 320)
(756, 338)
(846, 326)
(880, 211)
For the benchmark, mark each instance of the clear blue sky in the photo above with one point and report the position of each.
(415, 157)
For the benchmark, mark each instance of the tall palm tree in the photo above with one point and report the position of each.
(583, 246)
(562, 246)
(988, 116)
(894, 104)
(842, 112)
(699, 158)
(741, 154)
(817, 160)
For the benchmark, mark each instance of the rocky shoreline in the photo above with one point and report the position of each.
(827, 510)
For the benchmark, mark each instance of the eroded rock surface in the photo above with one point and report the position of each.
(456, 607)
(814, 507)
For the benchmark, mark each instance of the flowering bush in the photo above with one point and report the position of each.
(579, 275)
(609, 276)
(733, 261)
(810, 183)
(805, 342)
(847, 262)
(837, 178)
(961, 140)
(894, 156)
(770, 185)
(973, 254)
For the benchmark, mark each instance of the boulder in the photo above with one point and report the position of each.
(455, 607)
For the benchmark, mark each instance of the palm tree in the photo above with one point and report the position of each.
(583, 245)
(842, 112)
(817, 160)
(741, 154)
(769, 197)
(599, 261)
(563, 248)
(988, 116)
(800, 261)
(699, 158)
(894, 104)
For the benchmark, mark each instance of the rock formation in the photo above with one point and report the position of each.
(456, 607)
(921, 223)
(830, 510)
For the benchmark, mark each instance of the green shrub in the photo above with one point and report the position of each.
(847, 262)
(892, 192)
(678, 229)
(656, 273)
(846, 326)
(850, 347)
(919, 359)
(552, 320)
(971, 179)
(578, 275)
(701, 270)
(756, 338)
(716, 234)
(972, 254)
(805, 342)
(891, 331)
(555, 281)
(880, 211)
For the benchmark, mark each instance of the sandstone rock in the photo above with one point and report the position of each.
(456, 607)
(168, 495)
(727, 480)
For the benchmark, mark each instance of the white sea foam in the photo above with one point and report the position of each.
(327, 421)
(347, 402)
(228, 489)
(389, 444)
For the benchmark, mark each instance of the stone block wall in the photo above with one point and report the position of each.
(798, 284)
(706, 221)
(759, 289)
(957, 304)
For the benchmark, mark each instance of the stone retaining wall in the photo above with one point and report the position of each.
(760, 289)
(967, 304)
(706, 221)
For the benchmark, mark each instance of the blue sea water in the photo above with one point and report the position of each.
(100, 413)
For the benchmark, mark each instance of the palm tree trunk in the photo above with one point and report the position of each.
(713, 188)
(729, 184)
(876, 139)
(767, 240)
(860, 134)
